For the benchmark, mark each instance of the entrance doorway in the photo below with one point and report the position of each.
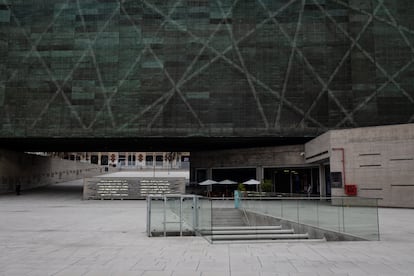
(294, 181)
(238, 175)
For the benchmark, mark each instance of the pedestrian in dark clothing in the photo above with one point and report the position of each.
(18, 187)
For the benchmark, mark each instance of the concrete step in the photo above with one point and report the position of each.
(229, 220)
(224, 210)
(228, 225)
(230, 228)
(227, 217)
(260, 237)
(235, 216)
(270, 241)
(232, 223)
(252, 232)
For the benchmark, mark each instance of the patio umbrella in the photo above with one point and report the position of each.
(227, 182)
(251, 182)
(207, 182)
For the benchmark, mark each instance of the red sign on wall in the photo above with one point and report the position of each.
(351, 190)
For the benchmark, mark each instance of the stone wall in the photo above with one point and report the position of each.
(31, 171)
(318, 149)
(379, 160)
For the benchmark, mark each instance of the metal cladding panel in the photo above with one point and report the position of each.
(231, 68)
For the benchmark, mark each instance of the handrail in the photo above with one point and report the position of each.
(247, 218)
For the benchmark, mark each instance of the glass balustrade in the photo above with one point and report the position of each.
(354, 216)
(178, 215)
(194, 215)
(204, 218)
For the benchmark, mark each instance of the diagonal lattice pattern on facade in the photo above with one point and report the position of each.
(207, 67)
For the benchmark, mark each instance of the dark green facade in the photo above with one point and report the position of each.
(234, 68)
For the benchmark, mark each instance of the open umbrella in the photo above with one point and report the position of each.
(227, 182)
(207, 182)
(251, 182)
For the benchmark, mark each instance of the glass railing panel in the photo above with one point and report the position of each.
(354, 216)
(173, 214)
(260, 213)
(308, 211)
(225, 214)
(256, 214)
(250, 211)
(264, 206)
(222, 202)
(188, 214)
(156, 217)
(182, 215)
(204, 217)
(360, 217)
(289, 209)
(275, 208)
(329, 214)
(247, 207)
(269, 206)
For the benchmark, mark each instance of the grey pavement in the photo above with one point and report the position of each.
(52, 231)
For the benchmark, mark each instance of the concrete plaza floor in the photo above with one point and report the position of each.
(52, 231)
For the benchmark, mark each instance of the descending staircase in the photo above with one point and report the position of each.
(228, 217)
(229, 224)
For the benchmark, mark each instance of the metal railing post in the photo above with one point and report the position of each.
(339, 218)
(165, 216)
(149, 216)
(211, 219)
(297, 209)
(343, 216)
(195, 213)
(376, 207)
(181, 216)
(317, 212)
(281, 208)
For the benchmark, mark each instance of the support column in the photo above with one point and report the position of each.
(322, 180)
(259, 176)
(259, 173)
(209, 173)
